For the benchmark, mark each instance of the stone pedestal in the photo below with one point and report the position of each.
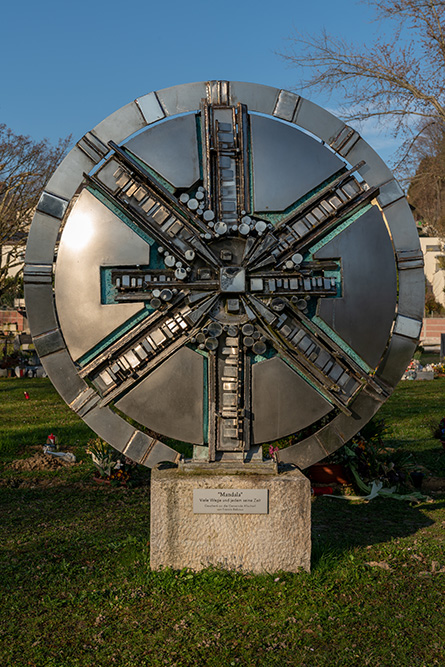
(277, 540)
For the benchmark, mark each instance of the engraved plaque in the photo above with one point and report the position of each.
(230, 501)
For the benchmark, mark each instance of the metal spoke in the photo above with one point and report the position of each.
(156, 221)
(128, 362)
(156, 188)
(322, 365)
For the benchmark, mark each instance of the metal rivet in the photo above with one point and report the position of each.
(166, 294)
(211, 343)
(278, 304)
(215, 329)
(220, 228)
(261, 226)
(259, 347)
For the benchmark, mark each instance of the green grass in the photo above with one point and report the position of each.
(76, 589)
(410, 414)
(25, 422)
(429, 358)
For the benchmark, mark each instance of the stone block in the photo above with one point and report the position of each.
(425, 375)
(277, 540)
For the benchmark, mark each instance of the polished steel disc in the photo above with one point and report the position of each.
(224, 264)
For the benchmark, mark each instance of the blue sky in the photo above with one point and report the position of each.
(68, 65)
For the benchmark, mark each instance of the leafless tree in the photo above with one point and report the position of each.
(427, 186)
(401, 78)
(25, 167)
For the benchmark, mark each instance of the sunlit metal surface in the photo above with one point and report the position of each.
(93, 238)
(282, 177)
(171, 149)
(223, 277)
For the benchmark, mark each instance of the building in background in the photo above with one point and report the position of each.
(434, 257)
(433, 249)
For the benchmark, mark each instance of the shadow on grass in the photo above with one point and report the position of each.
(432, 458)
(81, 523)
(339, 525)
(78, 523)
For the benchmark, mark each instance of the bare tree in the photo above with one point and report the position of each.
(402, 78)
(25, 167)
(427, 186)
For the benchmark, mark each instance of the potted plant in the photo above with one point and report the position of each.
(329, 472)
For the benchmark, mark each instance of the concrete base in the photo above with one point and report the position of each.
(278, 540)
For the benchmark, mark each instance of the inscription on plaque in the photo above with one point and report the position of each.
(230, 501)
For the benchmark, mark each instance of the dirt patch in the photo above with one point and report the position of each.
(433, 484)
(39, 461)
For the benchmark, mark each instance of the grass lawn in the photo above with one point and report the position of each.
(76, 589)
(429, 358)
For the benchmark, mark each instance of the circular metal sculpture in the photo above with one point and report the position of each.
(234, 264)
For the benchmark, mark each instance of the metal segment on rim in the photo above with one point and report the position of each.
(223, 277)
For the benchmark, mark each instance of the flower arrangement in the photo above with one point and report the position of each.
(369, 460)
(415, 366)
(103, 456)
(273, 452)
(411, 372)
(110, 465)
(439, 369)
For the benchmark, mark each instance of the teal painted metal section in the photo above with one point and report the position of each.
(304, 377)
(114, 336)
(270, 352)
(117, 210)
(342, 344)
(335, 273)
(321, 324)
(107, 289)
(340, 228)
(275, 218)
(154, 174)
